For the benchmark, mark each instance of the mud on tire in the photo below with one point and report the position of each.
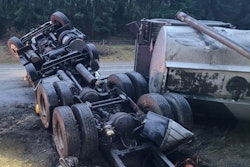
(66, 132)
(181, 109)
(64, 93)
(156, 103)
(32, 74)
(139, 83)
(89, 134)
(89, 94)
(47, 100)
(122, 82)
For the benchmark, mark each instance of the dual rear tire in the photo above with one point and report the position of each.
(49, 96)
(75, 132)
(133, 84)
(171, 105)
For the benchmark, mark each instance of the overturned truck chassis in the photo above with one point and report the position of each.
(87, 112)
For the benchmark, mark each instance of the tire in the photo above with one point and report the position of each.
(88, 94)
(122, 82)
(47, 100)
(139, 83)
(14, 44)
(66, 132)
(64, 93)
(94, 56)
(32, 74)
(89, 134)
(92, 48)
(181, 109)
(59, 18)
(156, 103)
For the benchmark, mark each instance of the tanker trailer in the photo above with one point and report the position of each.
(205, 61)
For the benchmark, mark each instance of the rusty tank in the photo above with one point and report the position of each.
(205, 61)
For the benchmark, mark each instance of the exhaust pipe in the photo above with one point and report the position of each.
(212, 33)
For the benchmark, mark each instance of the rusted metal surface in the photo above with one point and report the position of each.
(184, 47)
(182, 44)
(143, 56)
(158, 70)
(206, 71)
(217, 82)
(194, 82)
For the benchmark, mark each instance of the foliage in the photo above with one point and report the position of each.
(104, 18)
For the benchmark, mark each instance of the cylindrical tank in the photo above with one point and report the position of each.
(188, 47)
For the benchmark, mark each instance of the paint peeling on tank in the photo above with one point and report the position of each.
(203, 83)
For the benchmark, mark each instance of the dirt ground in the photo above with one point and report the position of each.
(221, 143)
(24, 142)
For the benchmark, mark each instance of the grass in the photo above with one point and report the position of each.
(116, 52)
(5, 55)
(108, 53)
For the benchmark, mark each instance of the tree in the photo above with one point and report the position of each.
(103, 18)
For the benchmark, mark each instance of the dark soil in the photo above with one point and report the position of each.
(222, 143)
(25, 142)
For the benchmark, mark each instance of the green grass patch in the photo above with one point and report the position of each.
(5, 55)
(116, 52)
(108, 53)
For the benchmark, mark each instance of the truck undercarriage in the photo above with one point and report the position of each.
(87, 113)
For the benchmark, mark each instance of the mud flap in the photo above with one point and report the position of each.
(165, 132)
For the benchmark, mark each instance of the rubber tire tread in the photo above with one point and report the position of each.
(89, 94)
(48, 93)
(64, 118)
(139, 82)
(92, 48)
(32, 73)
(94, 56)
(18, 44)
(60, 18)
(156, 103)
(181, 108)
(89, 134)
(122, 82)
(64, 93)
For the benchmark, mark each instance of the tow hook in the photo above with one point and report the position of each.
(68, 162)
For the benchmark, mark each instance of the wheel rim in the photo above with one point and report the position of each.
(59, 139)
(14, 50)
(65, 132)
(43, 113)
